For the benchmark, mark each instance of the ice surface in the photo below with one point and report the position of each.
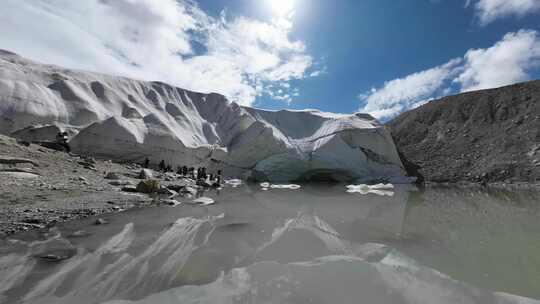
(129, 120)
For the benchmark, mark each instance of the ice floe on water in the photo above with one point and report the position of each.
(266, 186)
(378, 189)
(234, 182)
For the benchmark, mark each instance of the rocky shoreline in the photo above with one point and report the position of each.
(41, 187)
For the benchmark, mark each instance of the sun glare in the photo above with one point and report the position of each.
(281, 8)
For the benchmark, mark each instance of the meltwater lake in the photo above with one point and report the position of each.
(316, 244)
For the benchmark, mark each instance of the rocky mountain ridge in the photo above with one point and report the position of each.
(488, 136)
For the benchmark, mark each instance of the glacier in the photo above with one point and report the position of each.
(128, 120)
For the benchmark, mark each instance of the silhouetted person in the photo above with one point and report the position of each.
(211, 177)
(146, 163)
(203, 173)
(184, 170)
(62, 140)
(219, 177)
(162, 166)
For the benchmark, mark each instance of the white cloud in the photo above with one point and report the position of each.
(490, 10)
(167, 40)
(508, 61)
(404, 93)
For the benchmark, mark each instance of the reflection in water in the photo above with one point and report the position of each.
(315, 245)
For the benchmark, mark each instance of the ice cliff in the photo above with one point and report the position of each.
(127, 120)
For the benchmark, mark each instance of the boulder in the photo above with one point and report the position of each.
(100, 221)
(146, 174)
(148, 186)
(188, 190)
(166, 191)
(53, 250)
(130, 189)
(37, 133)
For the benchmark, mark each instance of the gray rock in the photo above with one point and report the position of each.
(166, 191)
(57, 255)
(130, 189)
(188, 190)
(113, 176)
(100, 221)
(148, 186)
(146, 174)
(170, 202)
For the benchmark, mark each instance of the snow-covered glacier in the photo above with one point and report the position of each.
(128, 120)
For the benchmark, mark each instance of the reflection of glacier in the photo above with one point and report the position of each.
(315, 225)
(367, 217)
(110, 272)
(332, 279)
(342, 272)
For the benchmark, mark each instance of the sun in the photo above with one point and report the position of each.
(281, 8)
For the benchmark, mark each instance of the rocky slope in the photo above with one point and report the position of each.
(128, 120)
(485, 136)
(40, 187)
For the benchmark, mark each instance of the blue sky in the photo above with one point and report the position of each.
(377, 56)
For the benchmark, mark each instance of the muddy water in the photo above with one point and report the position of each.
(318, 244)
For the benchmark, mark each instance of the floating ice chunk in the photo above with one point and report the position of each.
(358, 187)
(234, 182)
(371, 187)
(382, 187)
(291, 187)
(379, 189)
(265, 186)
